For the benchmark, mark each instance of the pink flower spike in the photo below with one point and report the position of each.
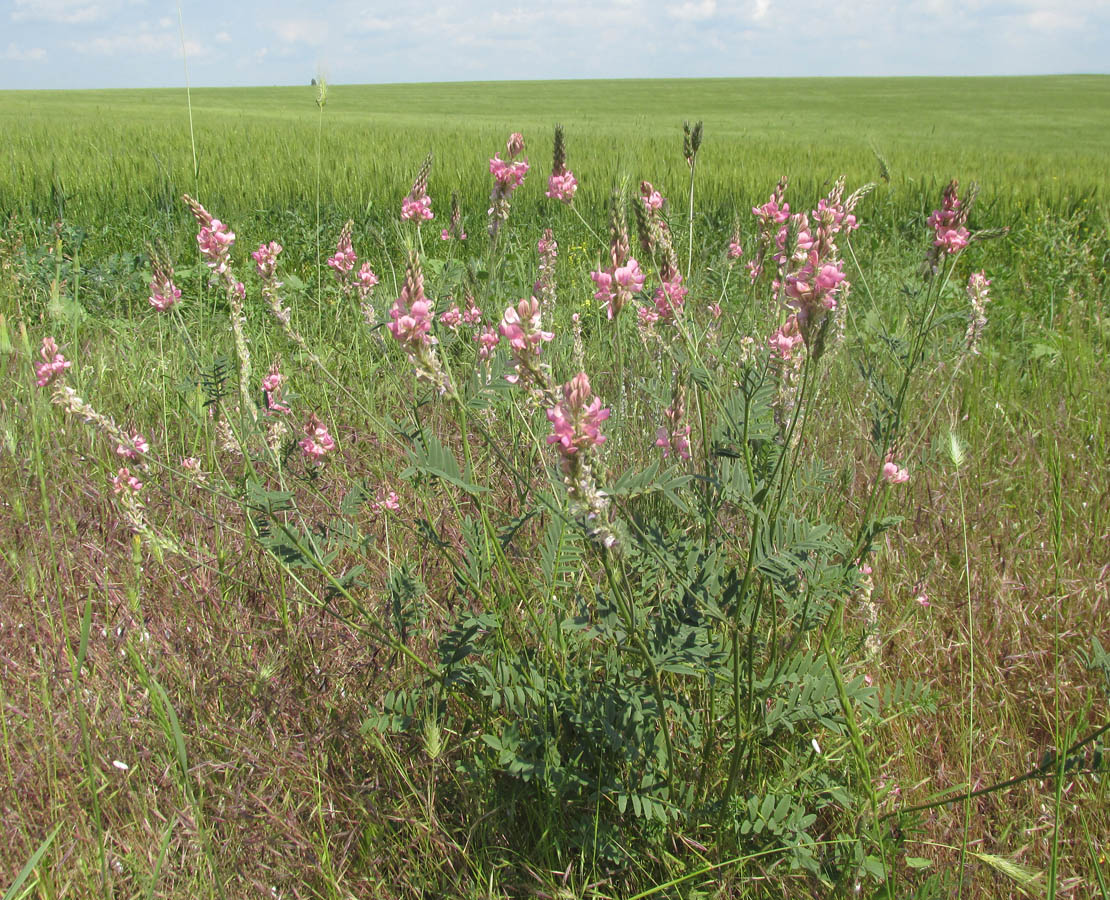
(735, 251)
(418, 208)
(451, 317)
(163, 294)
(562, 187)
(317, 443)
(265, 259)
(387, 500)
(487, 339)
(125, 482)
(892, 473)
(576, 419)
(138, 446)
(53, 363)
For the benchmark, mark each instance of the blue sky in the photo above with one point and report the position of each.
(137, 43)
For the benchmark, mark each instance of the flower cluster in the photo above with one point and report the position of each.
(675, 436)
(53, 363)
(214, 238)
(126, 483)
(487, 340)
(508, 174)
(265, 260)
(978, 293)
(561, 183)
(617, 284)
(385, 500)
(735, 249)
(343, 262)
(411, 325)
(650, 197)
(576, 425)
(133, 447)
(948, 224)
(520, 326)
(451, 317)
(163, 292)
(418, 205)
(317, 443)
(810, 270)
(272, 386)
(784, 341)
(576, 419)
(215, 242)
(892, 472)
(770, 217)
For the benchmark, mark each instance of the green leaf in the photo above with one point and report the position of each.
(436, 460)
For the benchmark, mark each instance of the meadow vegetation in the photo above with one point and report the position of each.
(680, 532)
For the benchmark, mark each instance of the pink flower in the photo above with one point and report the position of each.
(651, 198)
(163, 294)
(515, 144)
(419, 208)
(214, 239)
(561, 183)
(271, 387)
(317, 443)
(948, 224)
(675, 437)
(617, 285)
(576, 419)
(783, 341)
(472, 315)
(365, 281)
(814, 287)
(138, 446)
(487, 339)
(125, 482)
(387, 500)
(265, 259)
(451, 317)
(735, 251)
(892, 474)
(562, 187)
(412, 312)
(520, 326)
(670, 297)
(509, 175)
(215, 242)
(53, 363)
(952, 240)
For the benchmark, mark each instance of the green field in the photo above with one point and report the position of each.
(126, 153)
(270, 682)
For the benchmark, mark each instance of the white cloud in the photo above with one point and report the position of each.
(693, 12)
(62, 12)
(139, 43)
(23, 54)
(313, 32)
(222, 37)
(762, 7)
(1053, 20)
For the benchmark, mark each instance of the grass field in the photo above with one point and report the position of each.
(272, 682)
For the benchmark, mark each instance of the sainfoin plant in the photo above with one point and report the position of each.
(644, 637)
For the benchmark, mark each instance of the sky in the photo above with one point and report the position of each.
(138, 43)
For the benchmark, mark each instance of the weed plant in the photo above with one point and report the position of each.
(578, 520)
